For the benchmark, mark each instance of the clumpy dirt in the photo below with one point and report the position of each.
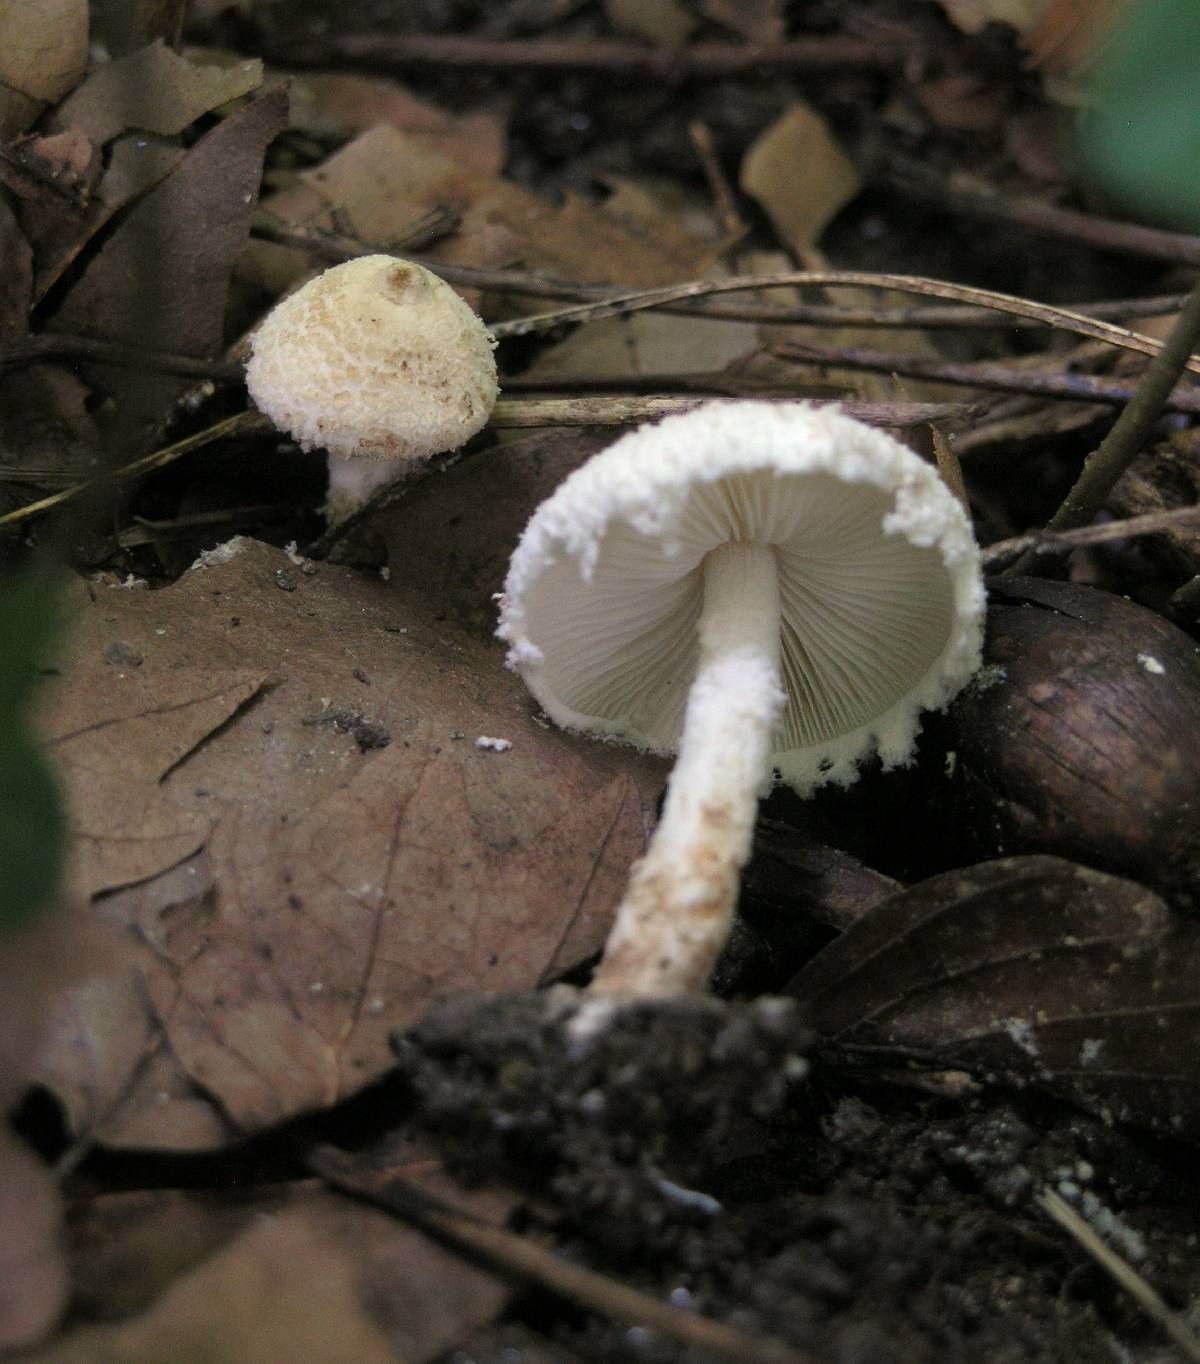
(705, 1153)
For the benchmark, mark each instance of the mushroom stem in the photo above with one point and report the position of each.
(678, 910)
(353, 479)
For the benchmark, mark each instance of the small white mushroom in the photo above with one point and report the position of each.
(379, 362)
(761, 589)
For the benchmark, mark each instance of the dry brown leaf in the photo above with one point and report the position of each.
(127, 1248)
(281, 1291)
(384, 182)
(154, 90)
(162, 277)
(758, 21)
(43, 53)
(798, 173)
(973, 16)
(344, 104)
(114, 733)
(349, 882)
(452, 537)
(188, 231)
(645, 344)
(1033, 969)
(666, 22)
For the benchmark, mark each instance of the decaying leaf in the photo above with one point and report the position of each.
(43, 52)
(114, 733)
(188, 231)
(1033, 969)
(799, 174)
(758, 21)
(667, 22)
(344, 103)
(384, 182)
(162, 277)
(126, 1249)
(972, 16)
(345, 883)
(154, 90)
(278, 1292)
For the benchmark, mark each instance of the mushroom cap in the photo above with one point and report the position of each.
(377, 357)
(881, 594)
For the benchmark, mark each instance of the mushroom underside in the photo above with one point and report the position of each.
(866, 621)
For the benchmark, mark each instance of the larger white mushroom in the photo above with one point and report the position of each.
(377, 361)
(762, 589)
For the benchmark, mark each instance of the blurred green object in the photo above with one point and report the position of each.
(1141, 142)
(32, 820)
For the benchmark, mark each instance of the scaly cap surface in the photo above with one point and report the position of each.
(378, 358)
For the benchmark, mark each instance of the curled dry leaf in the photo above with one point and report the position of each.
(1032, 969)
(43, 52)
(153, 90)
(343, 886)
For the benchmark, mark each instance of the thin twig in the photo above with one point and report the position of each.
(1120, 447)
(963, 193)
(517, 1255)
(535, 285)
(617, 409)
(42, 346)
(523, 414)
(1044, 541)
(243, 423)
(1062, 318)
(389, 50)
(1086, 388)
(1122, 1272)
(718, 183)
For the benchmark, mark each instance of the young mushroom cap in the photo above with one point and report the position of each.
(377, 361)
(760, 588)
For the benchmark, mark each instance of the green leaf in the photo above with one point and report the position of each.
(32, 819)
(1141, 144)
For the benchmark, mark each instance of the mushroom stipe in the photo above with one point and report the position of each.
(760, 589)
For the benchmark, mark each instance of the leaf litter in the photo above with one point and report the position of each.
(309, 804)
(343, 888)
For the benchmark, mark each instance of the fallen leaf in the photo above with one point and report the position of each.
(758, 21)
(666, 22)
(161, 279)
(1032, 969)
(280, 1291)
(342, 889)
(344, 104)
(385, 182)
(43, 53)
(798, 173)
(127, 1249)
(973, 16)
(113, 735)
(153, 90)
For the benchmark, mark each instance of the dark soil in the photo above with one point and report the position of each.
(689, 1150)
